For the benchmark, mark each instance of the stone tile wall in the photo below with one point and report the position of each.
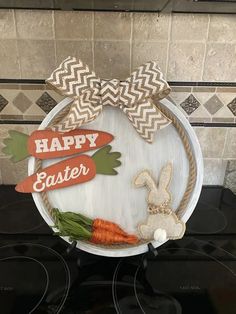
(189, 47)
(192, 50)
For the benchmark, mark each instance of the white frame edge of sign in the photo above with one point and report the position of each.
(139, 249)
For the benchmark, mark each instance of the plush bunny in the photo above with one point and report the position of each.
(162, 223)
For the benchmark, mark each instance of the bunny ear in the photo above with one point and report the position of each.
(144, 178)
(140, 179)
(165, 176)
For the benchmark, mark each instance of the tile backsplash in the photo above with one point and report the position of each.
(199, 104)
(188, 47)
(191, 49)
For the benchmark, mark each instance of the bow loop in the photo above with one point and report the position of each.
(149, 78)
(72, 78)
(134, 96)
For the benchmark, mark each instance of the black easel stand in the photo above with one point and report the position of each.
(89, 262)
(152, 252)
(84, 258)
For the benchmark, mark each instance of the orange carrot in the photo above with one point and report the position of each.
(107, 237)
(108, 226)
(80, 227)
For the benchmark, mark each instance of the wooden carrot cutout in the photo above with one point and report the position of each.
(71, 171)
(79, 227)
(46, 144)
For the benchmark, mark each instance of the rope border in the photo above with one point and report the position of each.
(180, 211)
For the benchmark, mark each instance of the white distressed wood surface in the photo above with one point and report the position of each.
(114, 197)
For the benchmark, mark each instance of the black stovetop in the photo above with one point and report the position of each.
(40, 273)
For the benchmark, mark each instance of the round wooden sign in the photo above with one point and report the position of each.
(148, 173)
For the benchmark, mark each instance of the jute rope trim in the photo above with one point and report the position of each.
(192, 163)
(180, 211)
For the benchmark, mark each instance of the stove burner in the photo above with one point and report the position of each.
(207, 219)
(163, 303)
(141, 298)
(22, 276)
(191, 282)
(30, 220)
(40, 270)
(18, 213)
(197, 287)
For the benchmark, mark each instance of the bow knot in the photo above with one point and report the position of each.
(90, 93)
(110, 92)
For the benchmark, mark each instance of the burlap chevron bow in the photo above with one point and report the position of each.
(90, 93)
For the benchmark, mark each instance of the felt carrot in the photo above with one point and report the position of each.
(108, 226)
(101, 236)
(99, 231)
(94, 224)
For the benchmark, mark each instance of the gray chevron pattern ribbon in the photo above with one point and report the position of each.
(90, 94)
